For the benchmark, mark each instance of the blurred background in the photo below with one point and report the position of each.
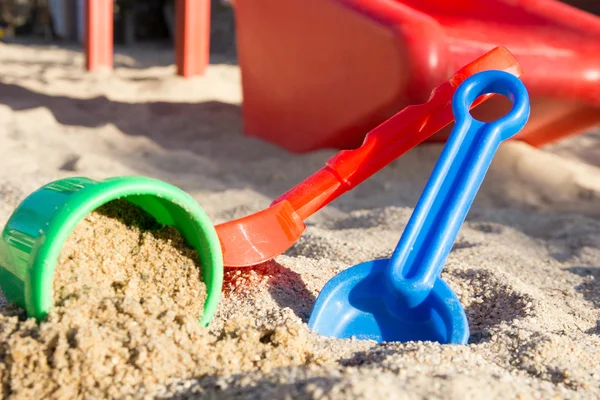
(135, 21)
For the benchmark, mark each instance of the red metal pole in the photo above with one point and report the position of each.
(192, 37)
(99, 34)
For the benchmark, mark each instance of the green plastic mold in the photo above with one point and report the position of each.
(34, 235)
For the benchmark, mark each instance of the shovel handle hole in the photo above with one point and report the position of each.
(496, 107)
(510, 98)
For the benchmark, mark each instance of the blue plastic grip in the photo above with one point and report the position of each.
(432, 229)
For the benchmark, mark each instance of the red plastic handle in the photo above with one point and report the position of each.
(390, 140)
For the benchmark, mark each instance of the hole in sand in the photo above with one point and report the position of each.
(487, 300)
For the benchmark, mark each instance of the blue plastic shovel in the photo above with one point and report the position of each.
(403, 298)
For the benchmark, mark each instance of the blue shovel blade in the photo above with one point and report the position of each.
(353, 304)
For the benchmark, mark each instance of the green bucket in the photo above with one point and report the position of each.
(34, 235)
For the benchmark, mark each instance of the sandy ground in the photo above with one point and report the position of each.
(527, 262)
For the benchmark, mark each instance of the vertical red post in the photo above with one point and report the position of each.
(192, 37)
(99, 34)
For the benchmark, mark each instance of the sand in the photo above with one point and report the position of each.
(525, 266)
(120, 251)
(128, 294)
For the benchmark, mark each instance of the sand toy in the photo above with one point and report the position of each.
(403, 298)
(319, 74)
(34, 235)
(264, 235)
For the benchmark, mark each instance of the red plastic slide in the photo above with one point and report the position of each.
(322, 73)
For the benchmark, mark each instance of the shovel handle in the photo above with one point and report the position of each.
(449, 193)
(390, 140)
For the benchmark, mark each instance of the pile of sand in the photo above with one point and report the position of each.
(526, 265)
(121, 251)
(127, 299)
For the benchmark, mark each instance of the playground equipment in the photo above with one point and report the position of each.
(404, 298)
(319, 74)
(192, 37)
